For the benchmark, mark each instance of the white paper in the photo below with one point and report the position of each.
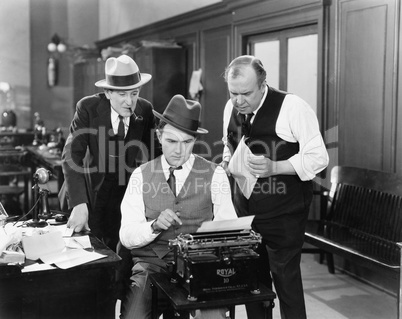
(37, 267)
(237, 167)
(71, 257)
(82, 242)
(36, 246)
(241, 223)
(51, 249)
(68, 232)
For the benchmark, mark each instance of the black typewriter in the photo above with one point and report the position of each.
(216, 262)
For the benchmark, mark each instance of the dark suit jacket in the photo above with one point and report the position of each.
(85, 154)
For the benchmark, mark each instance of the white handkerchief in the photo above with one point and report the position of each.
(238, 168)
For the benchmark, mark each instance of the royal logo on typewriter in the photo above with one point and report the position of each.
(226, 272)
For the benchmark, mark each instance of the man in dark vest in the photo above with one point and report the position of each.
(110, 135)
(284, 151)
(154, 209)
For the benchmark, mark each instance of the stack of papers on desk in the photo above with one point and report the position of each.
(51, 248)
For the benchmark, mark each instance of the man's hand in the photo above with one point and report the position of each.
(166, 219)
(261, 166)
(225, 166)
(79, 218)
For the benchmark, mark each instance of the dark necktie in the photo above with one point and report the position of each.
(120, 129)
(246, 125)
(172, 179)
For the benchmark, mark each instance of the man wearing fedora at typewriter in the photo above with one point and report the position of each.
(110, 135)
(155, 209)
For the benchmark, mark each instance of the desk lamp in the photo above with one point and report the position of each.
(41, 176)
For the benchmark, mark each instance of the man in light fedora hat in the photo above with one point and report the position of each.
(110, 135)
(155, 210)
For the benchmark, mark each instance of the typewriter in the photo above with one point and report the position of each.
(209, 263)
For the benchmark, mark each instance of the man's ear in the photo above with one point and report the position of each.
(159, 135)
(107, 93)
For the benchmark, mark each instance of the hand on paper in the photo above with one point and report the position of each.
(260, 166)
(79, 218)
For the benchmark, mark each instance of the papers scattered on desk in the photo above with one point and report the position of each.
(51, 248)
(81, 242)
(36, 246)
(37, 267)
(71, 257)
(241, 223)
(68, 232)
(12, 257)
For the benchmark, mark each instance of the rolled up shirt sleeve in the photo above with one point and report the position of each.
(297, 122)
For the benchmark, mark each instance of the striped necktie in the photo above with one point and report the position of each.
(172, 179)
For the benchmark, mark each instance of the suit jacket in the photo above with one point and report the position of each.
(85, 153)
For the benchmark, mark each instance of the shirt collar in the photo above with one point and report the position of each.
(115, 117)
(187, 166)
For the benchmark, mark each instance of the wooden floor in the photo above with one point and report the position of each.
(337, 296)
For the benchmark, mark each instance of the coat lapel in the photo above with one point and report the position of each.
(135, 132)
(103, 125)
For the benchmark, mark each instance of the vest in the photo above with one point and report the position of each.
(116, 162)
(194, 202)
(279, 194)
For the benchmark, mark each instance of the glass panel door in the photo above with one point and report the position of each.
(290, 58)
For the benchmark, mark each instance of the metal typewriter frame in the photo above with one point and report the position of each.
(221, 246)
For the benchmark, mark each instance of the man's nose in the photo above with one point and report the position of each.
(239, 99)
(129, 100)
(180, 147)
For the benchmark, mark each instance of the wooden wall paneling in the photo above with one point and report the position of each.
(215, 56)
(398, 166)
(190, 42)
(366, 105)
(85, 74)
(168, 69)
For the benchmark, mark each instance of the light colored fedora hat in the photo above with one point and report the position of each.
(122, 73)
(183, 114)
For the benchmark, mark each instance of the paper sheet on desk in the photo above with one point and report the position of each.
(237, 167)
(241, 223)
(51, 249)
(71, 257)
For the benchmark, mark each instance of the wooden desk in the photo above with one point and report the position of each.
(47, 160)
(12, 138)
(177, 296)
(85, 291)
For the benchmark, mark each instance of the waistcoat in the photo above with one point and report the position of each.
(278, 194)
(116, 160)
(194, 202)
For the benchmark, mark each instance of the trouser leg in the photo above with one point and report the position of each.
(283, 237)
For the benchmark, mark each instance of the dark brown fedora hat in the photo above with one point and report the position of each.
(183, 114)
